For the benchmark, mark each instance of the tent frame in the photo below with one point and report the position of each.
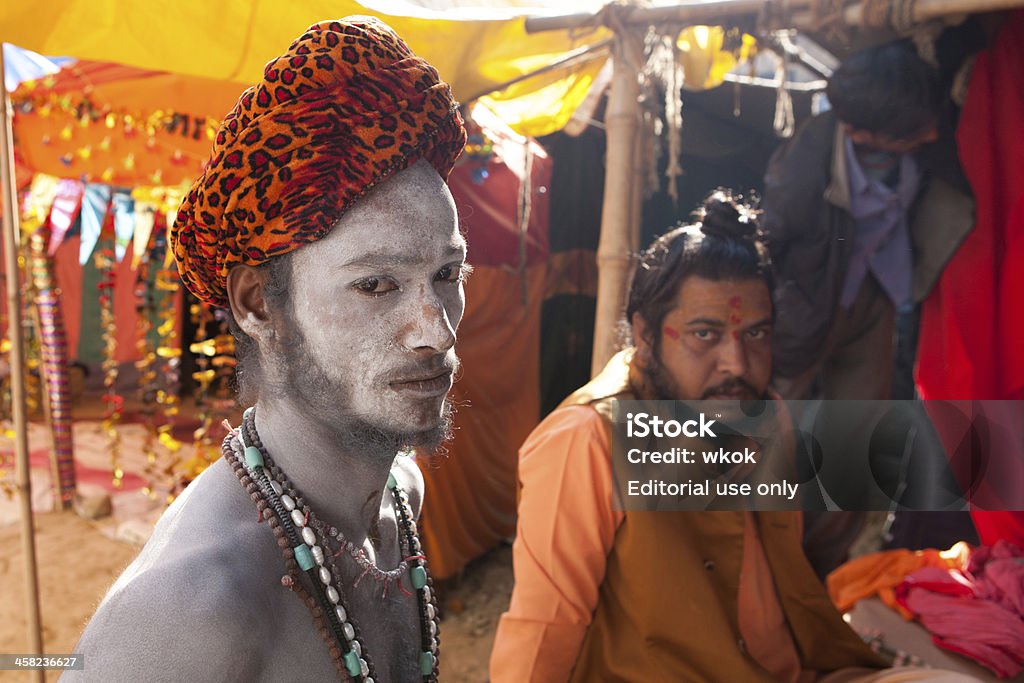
(620, 217)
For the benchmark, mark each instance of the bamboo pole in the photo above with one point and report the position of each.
(22, 473)
(718, 10)
(613, 251)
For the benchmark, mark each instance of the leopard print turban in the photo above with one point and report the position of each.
(345, 107)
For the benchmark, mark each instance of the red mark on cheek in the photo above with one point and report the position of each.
(671, 333)
(736, 301)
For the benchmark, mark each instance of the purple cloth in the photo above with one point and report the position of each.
(881, 240)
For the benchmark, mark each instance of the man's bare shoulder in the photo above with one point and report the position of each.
(194, 599)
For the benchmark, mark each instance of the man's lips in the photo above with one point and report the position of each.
(436, 384)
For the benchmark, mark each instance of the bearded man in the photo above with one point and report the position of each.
(323, 223)
(603, 594)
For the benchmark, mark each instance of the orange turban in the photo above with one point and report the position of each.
(345, 107)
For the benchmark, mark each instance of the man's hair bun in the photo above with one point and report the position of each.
(725, 214)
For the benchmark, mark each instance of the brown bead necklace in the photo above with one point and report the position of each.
(305, 542)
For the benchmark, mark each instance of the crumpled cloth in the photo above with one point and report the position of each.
(977, 610)
(880, 573)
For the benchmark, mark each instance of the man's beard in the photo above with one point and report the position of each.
(306, 382)
(658, 381)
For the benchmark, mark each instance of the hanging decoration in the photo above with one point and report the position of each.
(168, 351)
(146, 364)
(66, 206)
(124, 222)
(54, 352)
(478, 152)
(95, 202)
(214, 349)
(7, 483)
(104, 260)
(101, 123)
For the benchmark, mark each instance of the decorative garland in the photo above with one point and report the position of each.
(146, 365)
(168, 404)
(54, 352)
(104, 260)
(214, 350)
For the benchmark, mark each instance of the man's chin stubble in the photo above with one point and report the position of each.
(366, 437)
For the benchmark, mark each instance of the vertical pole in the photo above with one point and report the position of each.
(11, 230)
(613, 251)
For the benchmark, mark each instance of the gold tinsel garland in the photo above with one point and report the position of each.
(104, 260)
(167, 286)
(146, 365)
(214, 351)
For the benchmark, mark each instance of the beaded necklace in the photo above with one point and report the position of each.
(305, 542)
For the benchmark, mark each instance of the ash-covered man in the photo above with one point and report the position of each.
(324, 224)
(607, 595)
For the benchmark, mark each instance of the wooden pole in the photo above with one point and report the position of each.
(613, 251)
(11, 231)
(718, 10)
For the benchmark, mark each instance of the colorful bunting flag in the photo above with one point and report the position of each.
(37, 203)
(66, 206)
(94, 210)
(145, 216)
(124, 222)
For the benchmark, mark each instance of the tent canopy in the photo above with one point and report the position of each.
(232, 41)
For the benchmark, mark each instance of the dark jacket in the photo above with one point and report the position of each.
(807, 217)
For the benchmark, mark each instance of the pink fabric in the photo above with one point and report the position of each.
(979, 612)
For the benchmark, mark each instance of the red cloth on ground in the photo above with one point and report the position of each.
(971, 324)
(978, 612)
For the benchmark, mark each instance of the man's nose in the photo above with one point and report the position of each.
(432, 330)
(732, 356)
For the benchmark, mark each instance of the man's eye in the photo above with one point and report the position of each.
(759, 333)
(453, 273)
(375, 286)
(705, 335)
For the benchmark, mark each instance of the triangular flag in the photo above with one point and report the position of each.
(124, 222)
(40, 197)
(94, 209)
(64, 212)
(145, 216)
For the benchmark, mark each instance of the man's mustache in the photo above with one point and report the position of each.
(432, 367)
(730, 386)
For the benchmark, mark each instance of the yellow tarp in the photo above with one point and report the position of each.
(233, 39)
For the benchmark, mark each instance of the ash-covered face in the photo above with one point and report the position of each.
(374, 309)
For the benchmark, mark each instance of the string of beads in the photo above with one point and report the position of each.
(305, 542)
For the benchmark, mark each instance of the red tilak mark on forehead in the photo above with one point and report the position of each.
(736, 301)
(735, 319)
(736, 334)
(671, 333)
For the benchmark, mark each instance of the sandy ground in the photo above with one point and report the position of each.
(79, 559)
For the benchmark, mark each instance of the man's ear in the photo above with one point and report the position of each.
(641, 338)
(245, 287)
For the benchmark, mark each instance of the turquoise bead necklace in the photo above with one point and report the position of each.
(305, 542)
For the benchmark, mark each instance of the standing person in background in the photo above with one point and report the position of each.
(863, 208)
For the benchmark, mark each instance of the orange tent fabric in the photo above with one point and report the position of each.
(470, 503)
(119, 125)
